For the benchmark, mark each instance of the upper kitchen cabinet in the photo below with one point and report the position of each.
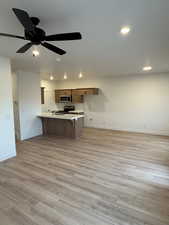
(74, 95)
(86, 91)
(79, 93)
(63, 92)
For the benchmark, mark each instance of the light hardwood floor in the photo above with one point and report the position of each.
(104, 178)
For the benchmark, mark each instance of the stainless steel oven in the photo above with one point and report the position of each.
(65, 99)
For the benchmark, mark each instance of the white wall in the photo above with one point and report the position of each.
(49, 90)
(7, 135)
(29, 104)
(133, 103)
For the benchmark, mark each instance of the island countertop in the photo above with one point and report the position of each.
(61, 116)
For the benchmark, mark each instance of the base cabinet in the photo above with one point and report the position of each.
(63, 128)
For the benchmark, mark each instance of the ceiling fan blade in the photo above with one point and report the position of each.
(11, 35)
(64, 37)
(24, 19)
(24, 48)
(53, 48)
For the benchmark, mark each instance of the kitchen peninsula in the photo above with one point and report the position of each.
(66, 125)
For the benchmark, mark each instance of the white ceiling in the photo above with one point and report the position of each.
(103, 51)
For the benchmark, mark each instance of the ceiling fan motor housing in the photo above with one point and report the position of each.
(36, 37)
(35, 20)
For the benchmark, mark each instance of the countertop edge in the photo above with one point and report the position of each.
(62, 117)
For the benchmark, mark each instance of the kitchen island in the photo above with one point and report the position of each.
(65, 125)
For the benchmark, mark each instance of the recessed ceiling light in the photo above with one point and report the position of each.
(65, 76)
(147, 68)
(35, 53)
(125, 30)
(58, 59)
(51, 78)
(80, 75)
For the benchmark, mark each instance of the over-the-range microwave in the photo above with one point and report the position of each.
(65, 99)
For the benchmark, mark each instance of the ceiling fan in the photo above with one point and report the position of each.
(37, 36)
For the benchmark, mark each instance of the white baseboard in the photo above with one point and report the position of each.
(5, 157)
(142, 131)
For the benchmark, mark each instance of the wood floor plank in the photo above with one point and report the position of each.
(104, 178)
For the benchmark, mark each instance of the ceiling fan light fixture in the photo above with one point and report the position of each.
(35, 53)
